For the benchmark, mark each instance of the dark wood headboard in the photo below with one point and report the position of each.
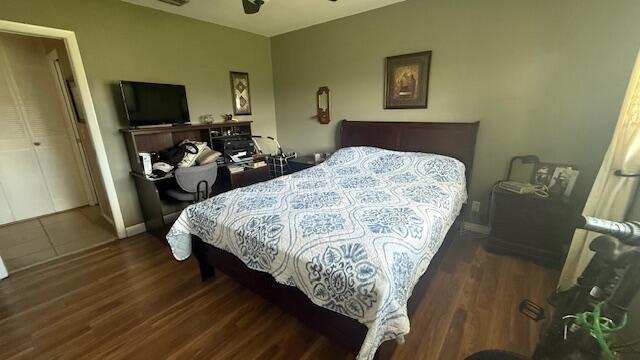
(457, 140)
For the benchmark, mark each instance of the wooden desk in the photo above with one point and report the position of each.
(152, 179)
(248, 177)
(152, 202)
(160, 138)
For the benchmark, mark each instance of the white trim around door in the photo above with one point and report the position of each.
(72, 129)
(80, 77)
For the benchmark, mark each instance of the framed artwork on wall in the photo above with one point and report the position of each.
(407, 81)
(240, 93)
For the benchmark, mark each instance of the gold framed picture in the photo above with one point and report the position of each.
(240, 93)
(407, 81)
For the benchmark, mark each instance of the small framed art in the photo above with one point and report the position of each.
(407, 81)
(560, 179)
(240, 93)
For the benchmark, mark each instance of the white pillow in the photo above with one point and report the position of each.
(207, 156)
(189, 159)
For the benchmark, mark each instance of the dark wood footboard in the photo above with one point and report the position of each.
(341, 329)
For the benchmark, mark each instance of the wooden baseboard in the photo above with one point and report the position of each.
(135, 229)
(140, 228)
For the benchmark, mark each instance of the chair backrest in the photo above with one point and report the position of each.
(189, 177)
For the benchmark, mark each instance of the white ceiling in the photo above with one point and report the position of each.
(275, 17)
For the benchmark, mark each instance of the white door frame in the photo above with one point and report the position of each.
(73, 133)
(3, 270)
(80, 77)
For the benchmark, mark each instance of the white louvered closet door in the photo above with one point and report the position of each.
(38, 173)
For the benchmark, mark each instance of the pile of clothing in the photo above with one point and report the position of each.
(185, 154)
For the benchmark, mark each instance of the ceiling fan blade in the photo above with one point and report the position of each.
(251, 7)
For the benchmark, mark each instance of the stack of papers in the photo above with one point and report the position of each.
(256, 164)
(233, 168)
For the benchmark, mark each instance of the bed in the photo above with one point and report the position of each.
(347, 246)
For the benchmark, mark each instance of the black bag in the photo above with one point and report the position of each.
(175, 154)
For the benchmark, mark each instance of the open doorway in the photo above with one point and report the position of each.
(56, 192)
(48, 198)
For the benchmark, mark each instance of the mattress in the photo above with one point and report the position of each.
(354, 233)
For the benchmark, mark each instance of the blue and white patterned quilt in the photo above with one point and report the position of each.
(354, 233)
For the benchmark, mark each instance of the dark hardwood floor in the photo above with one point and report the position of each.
(131, 300)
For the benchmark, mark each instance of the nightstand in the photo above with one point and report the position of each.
(527, 226)
(303, 162)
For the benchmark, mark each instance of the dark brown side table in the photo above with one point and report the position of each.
(303, 162)
(534, 228)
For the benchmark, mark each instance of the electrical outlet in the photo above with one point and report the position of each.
(475, 207)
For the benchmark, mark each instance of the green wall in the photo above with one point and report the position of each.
(544, 77)
(123, 41)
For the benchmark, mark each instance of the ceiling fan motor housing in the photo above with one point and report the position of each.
(251, 6)
(176, 2)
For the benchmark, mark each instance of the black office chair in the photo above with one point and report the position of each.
(196, 182)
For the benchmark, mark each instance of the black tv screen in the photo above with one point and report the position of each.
(152, 104)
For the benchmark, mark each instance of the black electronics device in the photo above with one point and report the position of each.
(234, 145)
(154, 104)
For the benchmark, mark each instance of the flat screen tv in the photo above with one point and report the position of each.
(154, 104)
